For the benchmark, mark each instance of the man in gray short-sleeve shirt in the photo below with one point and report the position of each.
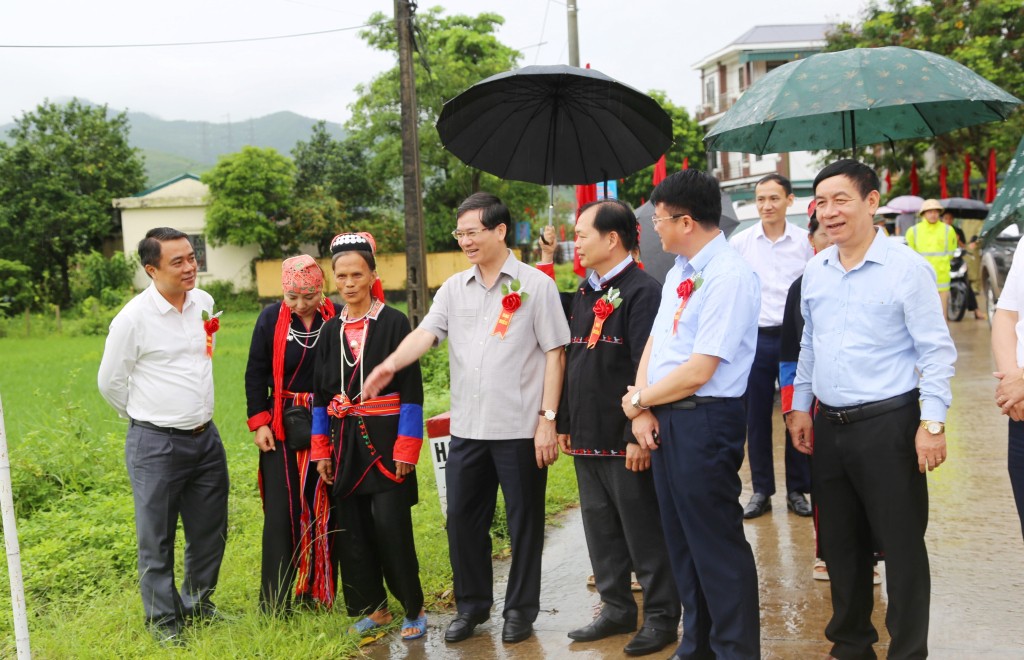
(506, 333)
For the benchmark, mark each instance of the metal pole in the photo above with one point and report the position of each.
(11, 543)
(415, 240)
(574, 35)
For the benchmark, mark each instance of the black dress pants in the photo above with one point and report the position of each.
(623, 530)
(866, 484)
(474, 470)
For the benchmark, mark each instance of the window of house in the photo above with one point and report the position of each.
(199, 245)
(709, 92)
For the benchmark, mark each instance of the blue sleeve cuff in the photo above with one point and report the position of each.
(321, 425)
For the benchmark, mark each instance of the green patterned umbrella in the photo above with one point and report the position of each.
(1008, 206)
(857, 97)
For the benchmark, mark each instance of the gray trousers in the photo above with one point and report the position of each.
(622, 525)
(174, 475)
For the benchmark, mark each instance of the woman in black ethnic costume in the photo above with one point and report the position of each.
(278, 389)
(368, 449)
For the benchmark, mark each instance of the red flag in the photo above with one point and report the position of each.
(943, 190)
(915, 185)
(584, 195)
(991, 186)
(686, 163)
(642, 200)
(561, 232)
(967, 175)
(659, 171)
(888, 181)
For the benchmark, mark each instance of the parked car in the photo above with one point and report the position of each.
(996, 257)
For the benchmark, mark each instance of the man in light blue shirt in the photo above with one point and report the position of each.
(877, 354)
(686, 408)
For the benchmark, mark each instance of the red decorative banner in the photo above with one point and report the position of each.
(684, 291)
(211, 324)
(603, 308)
(511, 301)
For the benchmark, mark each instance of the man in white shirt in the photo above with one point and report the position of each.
(157, 371)
(777, 251)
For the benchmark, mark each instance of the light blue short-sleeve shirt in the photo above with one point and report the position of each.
(720, 319)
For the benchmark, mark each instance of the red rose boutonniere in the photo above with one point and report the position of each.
(211, 324)
(512, 299)
(684, 291)
(603, 308)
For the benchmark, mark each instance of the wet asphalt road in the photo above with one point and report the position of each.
(974, 543)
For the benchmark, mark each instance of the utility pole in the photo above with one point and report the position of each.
(415, 248)
(574, 35)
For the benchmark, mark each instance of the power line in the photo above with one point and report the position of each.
(198, 43)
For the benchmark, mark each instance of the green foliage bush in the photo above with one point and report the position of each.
(107, 280)
(93, 318)
(226, 298)
(15, 287)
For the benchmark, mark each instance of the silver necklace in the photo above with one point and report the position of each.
(361, 344)
(303, 338)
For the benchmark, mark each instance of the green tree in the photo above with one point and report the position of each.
(453, 53)
(64, 166)
(251, 200)
(334, 190)
(986, 36)
(686, 143)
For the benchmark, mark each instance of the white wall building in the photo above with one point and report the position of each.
(181, 203)
(727, 73)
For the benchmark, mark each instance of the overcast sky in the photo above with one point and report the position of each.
(649, 44)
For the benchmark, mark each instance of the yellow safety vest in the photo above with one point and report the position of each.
(936, 243)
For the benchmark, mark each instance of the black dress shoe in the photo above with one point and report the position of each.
(757, 506)
(798, 504)
(649, 640)
(600, 628)
(462, 627)
(516, 630)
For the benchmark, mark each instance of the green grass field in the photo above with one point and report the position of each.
(76, 523)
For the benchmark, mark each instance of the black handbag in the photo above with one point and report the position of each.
(298, 427)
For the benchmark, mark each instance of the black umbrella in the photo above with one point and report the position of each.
(962, 207)
(555, 125)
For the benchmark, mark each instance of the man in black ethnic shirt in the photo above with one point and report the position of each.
(611, 317)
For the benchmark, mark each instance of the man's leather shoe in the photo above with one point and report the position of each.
(757, 506)
(462, 627)
(516, 630)
(798, 504)
(600, 628)
(649, 640)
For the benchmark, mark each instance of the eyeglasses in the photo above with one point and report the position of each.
(656, 220)
(459, 235)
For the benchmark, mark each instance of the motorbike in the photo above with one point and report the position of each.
(959, 288)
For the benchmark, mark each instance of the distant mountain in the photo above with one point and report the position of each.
(177, 146)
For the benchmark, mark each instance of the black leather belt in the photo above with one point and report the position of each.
(770, 330)
(691, 402)
(852, 414)
(171, 431)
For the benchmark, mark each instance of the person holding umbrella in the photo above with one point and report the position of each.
(505, 346)
(936, 242)
(868, 300)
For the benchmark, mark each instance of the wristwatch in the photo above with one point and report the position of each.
(549, 415)
(932, 427)
(635, 400)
